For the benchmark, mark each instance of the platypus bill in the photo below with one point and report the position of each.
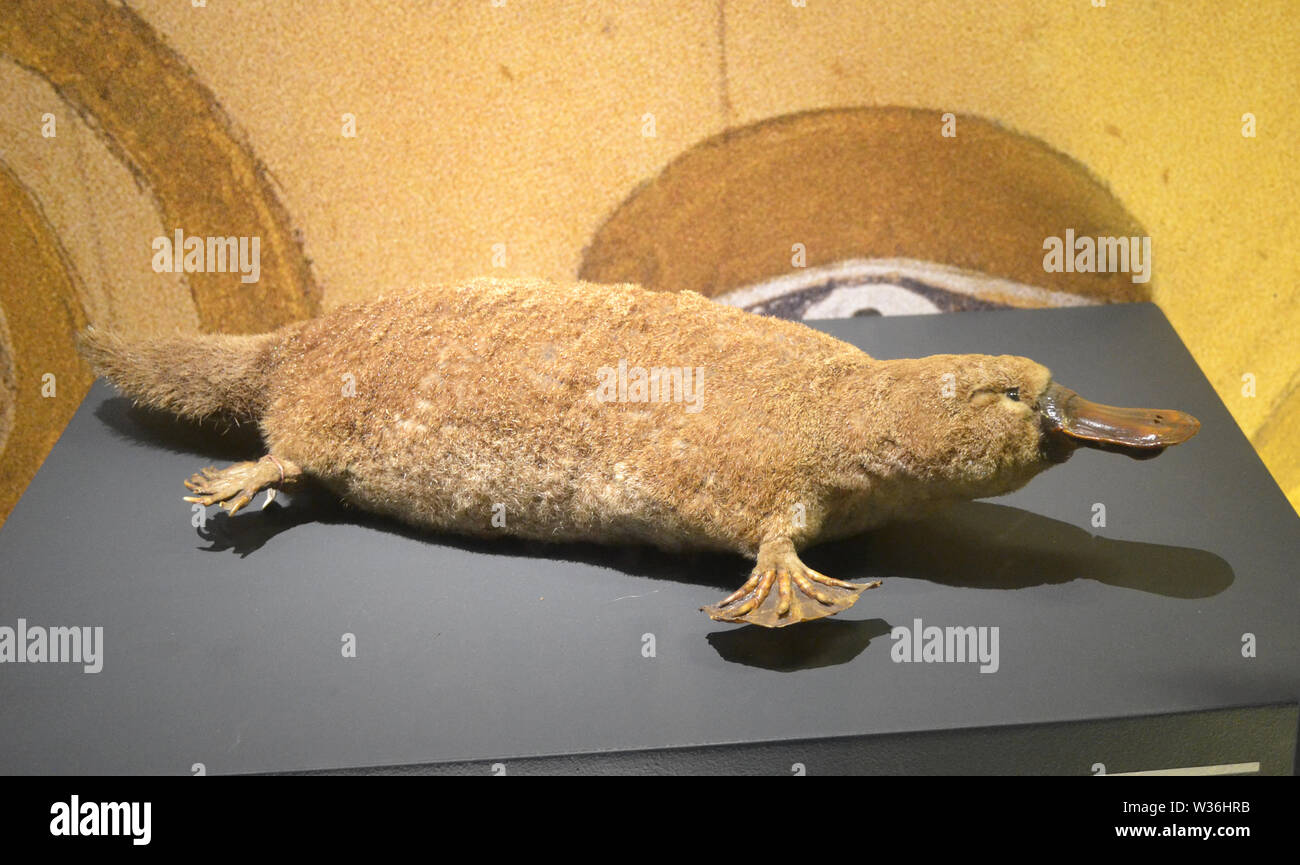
(608, 413)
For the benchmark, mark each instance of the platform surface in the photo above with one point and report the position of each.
(223, 644)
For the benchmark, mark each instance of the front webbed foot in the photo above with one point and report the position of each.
(782, 590)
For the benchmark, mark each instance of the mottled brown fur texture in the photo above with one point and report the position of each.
(448, 406)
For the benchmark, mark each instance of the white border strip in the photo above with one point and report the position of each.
(1220, 769)
(943, 276)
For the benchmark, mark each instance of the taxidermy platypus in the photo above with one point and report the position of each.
(608, 413)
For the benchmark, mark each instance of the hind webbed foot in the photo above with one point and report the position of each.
(233, 488)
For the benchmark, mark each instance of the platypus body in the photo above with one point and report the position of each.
(609, 413)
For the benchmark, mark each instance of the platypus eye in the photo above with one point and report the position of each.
(1013, 394)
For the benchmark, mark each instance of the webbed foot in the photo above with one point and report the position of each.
(782, 590)
(234, 487)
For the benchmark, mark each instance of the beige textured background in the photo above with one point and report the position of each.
(521, 125)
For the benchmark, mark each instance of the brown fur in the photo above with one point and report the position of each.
(197, 378)
(483, 394)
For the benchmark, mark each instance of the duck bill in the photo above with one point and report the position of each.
(1141, 433)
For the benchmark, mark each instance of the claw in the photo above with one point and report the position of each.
(784, 597)
(750, 585)
(757, 597)
(831, 581)
(806, 586)
(238, 502)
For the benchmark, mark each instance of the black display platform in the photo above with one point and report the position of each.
(1119, 646)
